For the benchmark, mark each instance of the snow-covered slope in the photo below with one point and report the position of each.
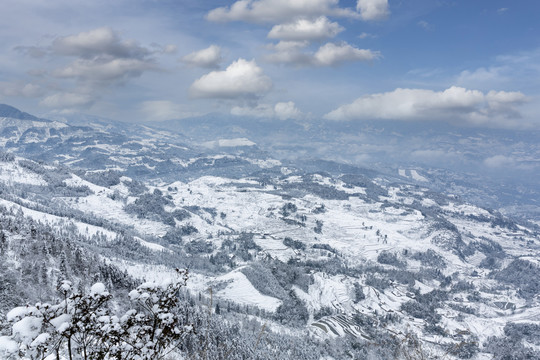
(335, 249)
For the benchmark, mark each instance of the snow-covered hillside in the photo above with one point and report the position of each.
(339, 253)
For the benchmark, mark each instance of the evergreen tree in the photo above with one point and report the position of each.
(3, 243)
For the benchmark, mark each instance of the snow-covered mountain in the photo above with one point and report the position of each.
(314, 249)
(491, 167)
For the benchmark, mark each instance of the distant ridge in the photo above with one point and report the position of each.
(14, 113)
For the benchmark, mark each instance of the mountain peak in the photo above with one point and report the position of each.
(14, 113)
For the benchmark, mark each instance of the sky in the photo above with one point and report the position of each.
(467, 62)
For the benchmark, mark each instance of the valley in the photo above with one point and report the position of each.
(310, 249)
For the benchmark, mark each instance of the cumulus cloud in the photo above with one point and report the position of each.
(102, 57)
(278, 11)
(93, 60)
(289, 52)
(21, 89)
(67, 100)
(334, 54)
(494, 75)
(453, 104)
(373, 9)
(104, 70)
(330, 54)
(205, 58)
(281, 110)
(306, 29)
(98, 42)
(242, 79)
(287, 110)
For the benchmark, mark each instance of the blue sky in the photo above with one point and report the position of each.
(468, 62)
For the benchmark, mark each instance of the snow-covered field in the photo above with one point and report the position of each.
(357, 230)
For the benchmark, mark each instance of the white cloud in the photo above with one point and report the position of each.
(480, 74)
(366, 35)
(21, 89)
(289, 52)
(507, 71)
(373, 9)
(334, 54)
(103, 58)
(98, 42)
(278, 11)
(67, 100)
(241, 79)
(206, 58)
(159, 110)
(287, 110)
(330, 54)
(453, 104)
(170, 49)
(288, 46)
(281, 110)
(306, 29)
(259, 111)
(104, 70)
(499, 161)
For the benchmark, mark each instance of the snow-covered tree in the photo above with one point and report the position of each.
(82, 326)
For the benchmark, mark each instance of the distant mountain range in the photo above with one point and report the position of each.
(7, 111)
(327, 252)
(494, 168)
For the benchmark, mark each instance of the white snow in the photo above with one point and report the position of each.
(466, 209)
(413, 174)
(62, 322)
(84, 229)
(7, 347)
(236, 142)
(241, 291)
(264, 164)
(11, 173)
(151, 245)
(40, 339)
(98, 289)
(66, 286)
(238, 288)
(416, 176)
(77, 181)
(27, 328)
(358, 229)
(144, 271)
(428, 202)
(331, 291)
(102, 206)
(17, 313)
